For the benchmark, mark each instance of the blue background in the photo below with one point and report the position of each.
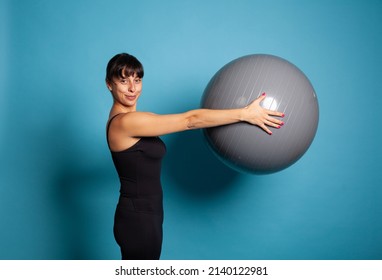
(58, 185)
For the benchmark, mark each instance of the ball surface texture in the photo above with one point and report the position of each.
(246, 147)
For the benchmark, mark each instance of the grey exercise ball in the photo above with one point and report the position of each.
(246, 147)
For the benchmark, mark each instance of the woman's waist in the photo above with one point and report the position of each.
(140, 188)
(147, 204)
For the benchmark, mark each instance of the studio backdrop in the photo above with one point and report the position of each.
(58, 186)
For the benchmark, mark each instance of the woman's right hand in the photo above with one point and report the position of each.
(263, 118)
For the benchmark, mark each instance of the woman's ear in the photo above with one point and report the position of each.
(108, 85)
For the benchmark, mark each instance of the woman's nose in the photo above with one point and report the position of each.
(131, 87)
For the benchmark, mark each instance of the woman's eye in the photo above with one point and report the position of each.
(123, 81)
(137, 81)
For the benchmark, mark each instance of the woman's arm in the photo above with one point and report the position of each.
(142, 124)
(253, 114)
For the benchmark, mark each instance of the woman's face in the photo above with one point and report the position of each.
(126, 90)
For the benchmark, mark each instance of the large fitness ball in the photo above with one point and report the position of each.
(246, 147)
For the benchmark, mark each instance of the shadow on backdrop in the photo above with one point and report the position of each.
(193, 168)
(78, 198)
(82, 195)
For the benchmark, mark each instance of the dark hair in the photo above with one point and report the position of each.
(123, 65)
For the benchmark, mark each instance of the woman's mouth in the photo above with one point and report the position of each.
(130, 97)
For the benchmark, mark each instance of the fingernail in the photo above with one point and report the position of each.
(278, 126)
(263, 94)
(282, 123)
(270, 133)
(283, 115)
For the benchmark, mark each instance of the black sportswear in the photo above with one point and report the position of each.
(139, 215)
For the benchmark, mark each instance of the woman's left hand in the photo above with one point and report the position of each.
(263, 118)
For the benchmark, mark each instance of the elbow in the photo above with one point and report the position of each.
(196, 119)
(191, 123)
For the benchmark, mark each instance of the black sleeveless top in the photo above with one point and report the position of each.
(139, 167)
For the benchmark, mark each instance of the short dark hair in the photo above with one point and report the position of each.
(123, 65)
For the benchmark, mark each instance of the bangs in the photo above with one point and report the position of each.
(128, 71)
(122, 66)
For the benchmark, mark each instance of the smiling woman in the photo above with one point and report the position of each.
(127, 89)
(124, 79)
(137, 152)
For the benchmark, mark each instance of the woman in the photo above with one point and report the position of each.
(137, 152)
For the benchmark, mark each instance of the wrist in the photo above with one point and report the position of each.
(243, 114)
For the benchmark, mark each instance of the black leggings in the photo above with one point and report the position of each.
(138, 227)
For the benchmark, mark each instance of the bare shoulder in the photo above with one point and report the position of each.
(118, 136)
(123, 118)
(127, 123)
(132, 119)
(147, 124)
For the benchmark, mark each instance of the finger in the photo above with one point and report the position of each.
(275, 113)
(261, 97)
(272, 124)
(266, 129)
(275, 121)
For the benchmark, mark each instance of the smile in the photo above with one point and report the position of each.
(130, 97)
